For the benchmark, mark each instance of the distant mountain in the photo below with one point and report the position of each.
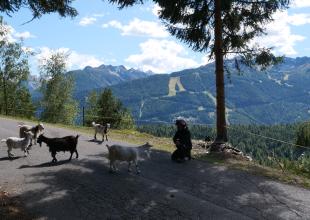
(280, 94)
(91, 78)
(105, 75)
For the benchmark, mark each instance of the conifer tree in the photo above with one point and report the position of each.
(220, 28)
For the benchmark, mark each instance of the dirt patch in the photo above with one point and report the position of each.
(11, 208)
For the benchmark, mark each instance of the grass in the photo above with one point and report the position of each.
(166, 144)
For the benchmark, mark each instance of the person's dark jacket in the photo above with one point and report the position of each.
(184, 138)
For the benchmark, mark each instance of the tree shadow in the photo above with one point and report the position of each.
(164, 190)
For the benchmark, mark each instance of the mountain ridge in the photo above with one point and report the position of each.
(104, 75)
(281, 94)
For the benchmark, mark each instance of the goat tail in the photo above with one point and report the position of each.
(108, 146)
(77, 136)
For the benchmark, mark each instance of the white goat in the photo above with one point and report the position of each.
(126, 153)
(35, 130)
(21, 143)
(101, 129)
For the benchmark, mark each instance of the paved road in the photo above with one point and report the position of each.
(83, 188)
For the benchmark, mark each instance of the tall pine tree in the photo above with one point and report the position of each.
(220, 28)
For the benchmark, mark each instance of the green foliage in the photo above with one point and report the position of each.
(105, 108)
(23, 104)
(14, 71)
(303, 134)
(91, 112)
(38, 8)
(127, 121)
(57, 103)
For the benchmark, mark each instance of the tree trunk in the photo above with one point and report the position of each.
(221, 136)
(5, 96)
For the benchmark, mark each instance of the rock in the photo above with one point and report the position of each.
(225, 150)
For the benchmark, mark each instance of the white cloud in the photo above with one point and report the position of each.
(279, 33)
(85, 21)
(300, 3)
(155, 10)
(24, 35)
(75, 60)
(138, 27)
(296, 19)
(11, 34)
(161, 56)
(113, 23)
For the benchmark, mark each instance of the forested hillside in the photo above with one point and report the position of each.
(278, 95)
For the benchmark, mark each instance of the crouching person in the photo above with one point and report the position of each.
(182, 141)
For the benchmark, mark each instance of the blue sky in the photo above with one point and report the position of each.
(135, 37)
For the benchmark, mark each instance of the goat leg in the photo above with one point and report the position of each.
(137, 167)
(111, 167)
(30, 145)
(54, 157)
(10, 154)
(71, 155)
(77, 154)
(129, 164)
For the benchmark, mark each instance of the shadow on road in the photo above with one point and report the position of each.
(10, 158)
(164, 190)
(47, 164)
(96, 141)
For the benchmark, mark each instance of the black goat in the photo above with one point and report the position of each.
(68, 143)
